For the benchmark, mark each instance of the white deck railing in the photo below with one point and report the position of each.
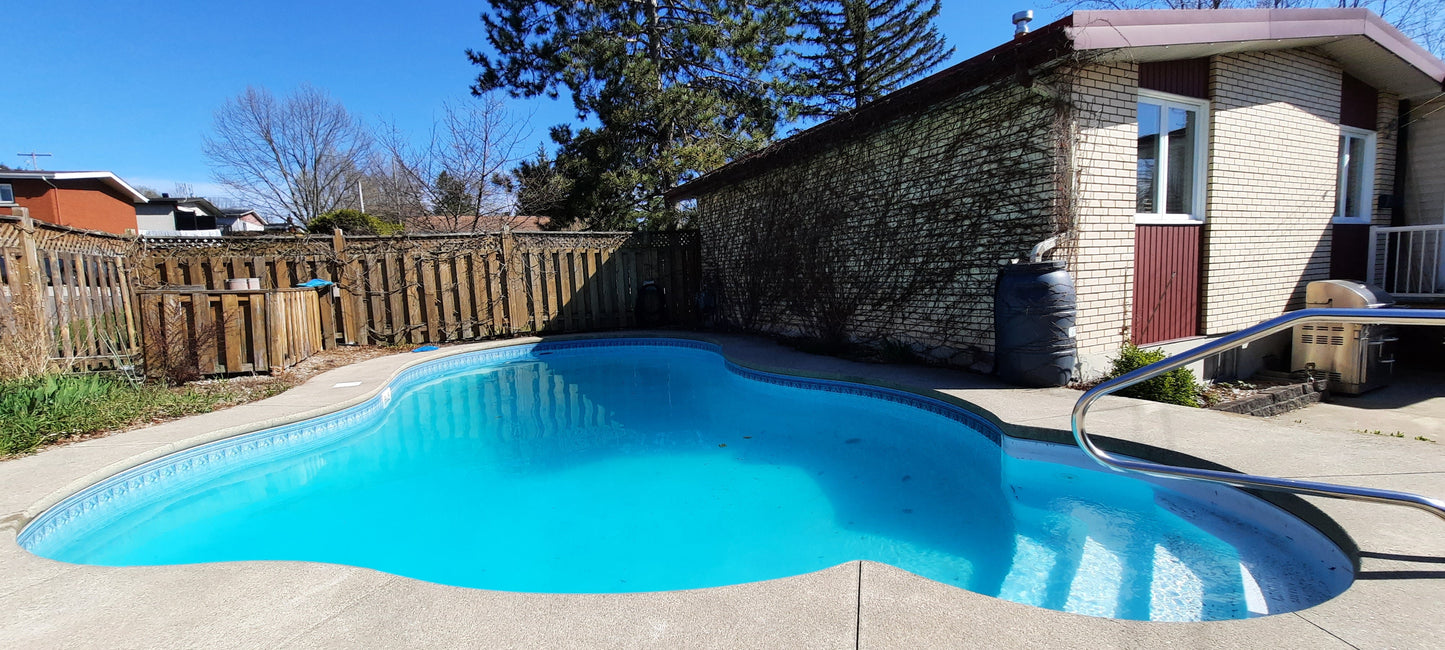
(1408, 261)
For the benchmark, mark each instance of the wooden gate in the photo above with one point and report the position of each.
(75, 285)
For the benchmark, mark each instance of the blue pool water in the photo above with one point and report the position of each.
(646, 465)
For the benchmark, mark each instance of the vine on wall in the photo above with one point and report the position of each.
(897, 235)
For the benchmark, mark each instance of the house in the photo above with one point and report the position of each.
(91, 200)
(241, 220)
(192, 217)
(1197, 168)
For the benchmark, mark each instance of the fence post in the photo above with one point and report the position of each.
(129, 304)
(343, 282)
(514, 294)
(32, 282)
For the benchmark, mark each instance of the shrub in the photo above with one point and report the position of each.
(1177, 386)
(352, 222)
(894, 351)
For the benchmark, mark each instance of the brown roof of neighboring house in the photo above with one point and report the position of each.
(1368, 47)
(470, 223)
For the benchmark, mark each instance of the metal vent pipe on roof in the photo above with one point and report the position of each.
(1021, 22)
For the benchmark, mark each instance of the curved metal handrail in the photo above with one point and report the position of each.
(1358, 316)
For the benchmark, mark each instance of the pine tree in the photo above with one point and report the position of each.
(676, 87)
(453, 197)
(855, 51)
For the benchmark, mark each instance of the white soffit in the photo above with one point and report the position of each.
(1365, 45)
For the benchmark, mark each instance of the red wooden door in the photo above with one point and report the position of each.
(1166, 283)
(1349, 251)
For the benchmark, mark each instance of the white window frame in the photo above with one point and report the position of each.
(1201, 158)
(1367, 184)
(9, 190)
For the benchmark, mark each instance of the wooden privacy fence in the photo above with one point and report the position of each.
(228, 332)
(102, 297)
(71, 289)
(416, 289)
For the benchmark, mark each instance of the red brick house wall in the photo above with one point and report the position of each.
(81, 203)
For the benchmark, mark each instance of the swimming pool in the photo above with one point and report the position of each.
(624, 465)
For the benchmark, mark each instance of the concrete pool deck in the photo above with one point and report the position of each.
(1395, 601)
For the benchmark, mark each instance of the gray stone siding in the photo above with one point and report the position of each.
(896, 235)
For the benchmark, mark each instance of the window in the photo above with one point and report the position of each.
(1170, 172)
(7, 195)
(1356, 176)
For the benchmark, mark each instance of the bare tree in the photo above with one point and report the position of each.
(462, 172)
(296, 158)
(392, 190)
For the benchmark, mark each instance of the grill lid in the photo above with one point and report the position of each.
(1345, 294)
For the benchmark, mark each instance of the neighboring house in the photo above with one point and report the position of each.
(94, 200)
(192, 217)
(1200, 167)
(241, 220)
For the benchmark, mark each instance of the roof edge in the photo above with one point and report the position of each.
(1079, 30)
(1103, 30)
(108, 178)
(1039, 46)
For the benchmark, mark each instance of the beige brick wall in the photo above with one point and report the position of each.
(1273, 148)
(1270, 196)
(1386, 138)
(1425, 184)
(1102, 253)
(1274, 141)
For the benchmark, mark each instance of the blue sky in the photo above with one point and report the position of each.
(130, 87)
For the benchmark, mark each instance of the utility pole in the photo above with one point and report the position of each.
(360, 195)
(33, 155)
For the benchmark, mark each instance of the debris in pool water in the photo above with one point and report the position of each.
(747, 437)
(906, 477)
(723, 444)
(908, 511)
(852, 441)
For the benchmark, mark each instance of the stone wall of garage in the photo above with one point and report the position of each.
(896, 235)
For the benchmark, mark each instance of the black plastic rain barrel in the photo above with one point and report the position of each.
(651, 305)
(1033, 324)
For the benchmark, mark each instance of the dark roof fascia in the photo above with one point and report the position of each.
(1016, 56)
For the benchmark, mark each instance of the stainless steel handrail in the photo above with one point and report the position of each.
(1312, 488)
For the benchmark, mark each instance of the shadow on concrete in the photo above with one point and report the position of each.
(1409, 387)
(1402, 574)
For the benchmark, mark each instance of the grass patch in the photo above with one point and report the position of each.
(36, 411)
